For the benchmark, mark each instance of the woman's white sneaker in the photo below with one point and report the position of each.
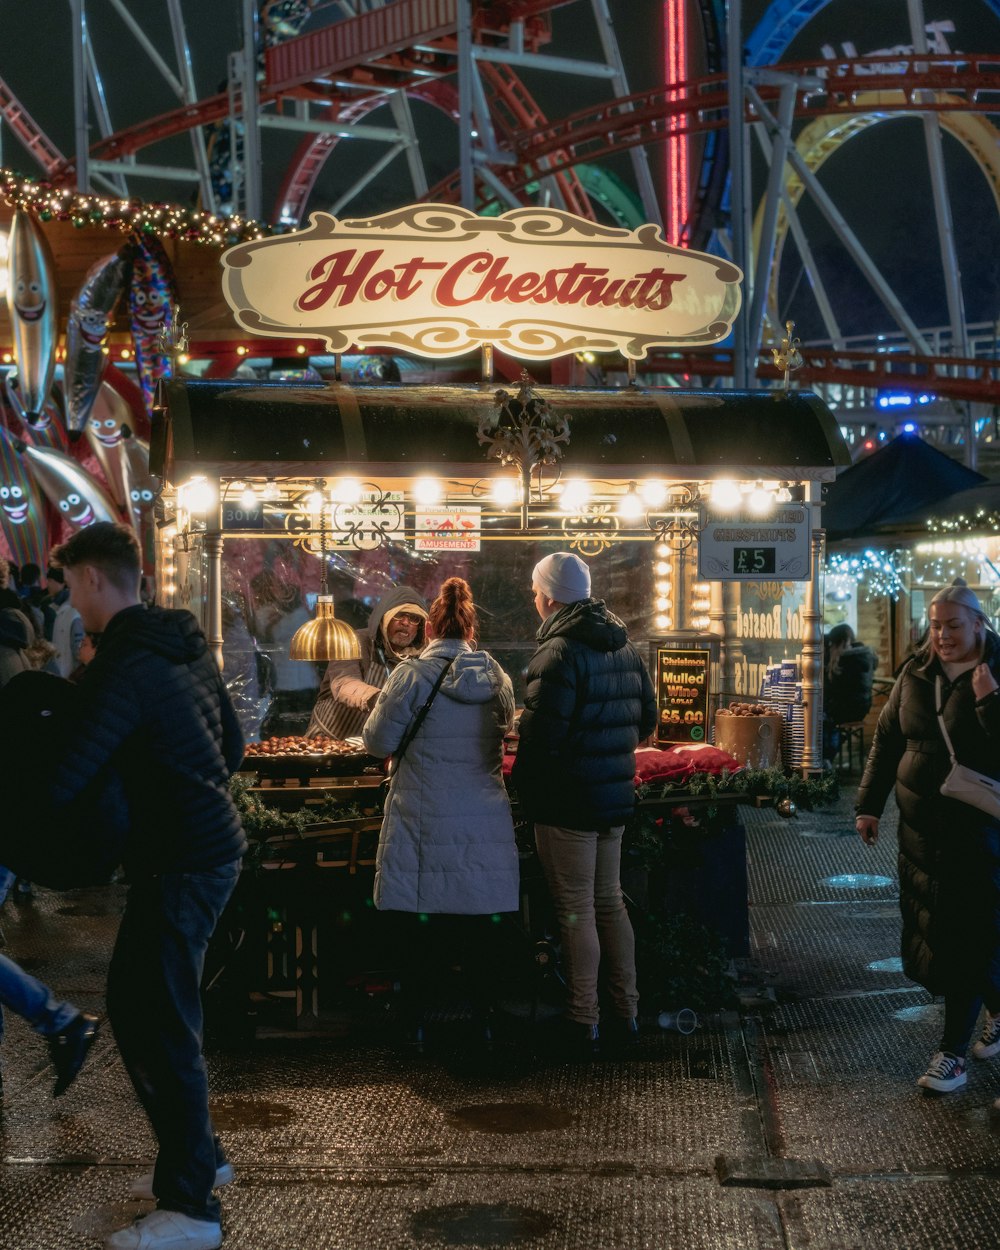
(989, 1040)
(944, 1073)
(143, 1187)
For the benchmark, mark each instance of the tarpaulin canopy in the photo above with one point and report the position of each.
(890, 485)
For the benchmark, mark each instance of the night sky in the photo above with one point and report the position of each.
(879, 179)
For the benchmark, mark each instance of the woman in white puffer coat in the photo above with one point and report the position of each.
(447, 843)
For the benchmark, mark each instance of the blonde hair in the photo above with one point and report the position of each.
(961, 594)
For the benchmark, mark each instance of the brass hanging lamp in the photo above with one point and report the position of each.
(324, 637)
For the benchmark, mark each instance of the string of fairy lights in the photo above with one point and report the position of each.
(108, 212)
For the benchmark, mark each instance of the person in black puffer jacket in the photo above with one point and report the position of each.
(589, 703)
(152, 703)
(949, 852)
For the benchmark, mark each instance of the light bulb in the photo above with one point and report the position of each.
(505, 491)
(427, 490)
(760, 500)
(315, 501)
(271, 489)
(654, 493)
(575, 494)
(662, 568)
(725, 494)
(248, 499)
(346, 490)
(199, 494)
(663, 622)
(630, 506)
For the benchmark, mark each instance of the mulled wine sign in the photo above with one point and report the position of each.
(437, 280)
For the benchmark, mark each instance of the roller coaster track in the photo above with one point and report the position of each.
(950, 377)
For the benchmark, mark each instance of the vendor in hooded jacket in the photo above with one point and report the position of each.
(396, 631)
(949, 852)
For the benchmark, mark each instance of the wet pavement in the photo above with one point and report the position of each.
(794, 1122)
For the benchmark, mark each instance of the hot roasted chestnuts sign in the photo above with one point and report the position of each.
(438, 280)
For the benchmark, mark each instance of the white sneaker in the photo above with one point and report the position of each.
(143, 1187)
(167, 1230)
(989, 1040)
(944, 1073)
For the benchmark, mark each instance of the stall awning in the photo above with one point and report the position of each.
(884, 489)
(247, 428)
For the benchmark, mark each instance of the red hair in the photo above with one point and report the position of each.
(453, 614)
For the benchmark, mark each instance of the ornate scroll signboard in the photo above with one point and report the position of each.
(437, 280)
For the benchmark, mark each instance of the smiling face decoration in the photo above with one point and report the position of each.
(152, 299)
(77, 511)
(79, 498)
(90, 318)
(15, 503)
(107, 430)
(32, 308)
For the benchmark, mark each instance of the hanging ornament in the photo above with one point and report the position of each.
(785, 807)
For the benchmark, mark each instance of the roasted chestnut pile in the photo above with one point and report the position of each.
(318, 744)
(747, 709)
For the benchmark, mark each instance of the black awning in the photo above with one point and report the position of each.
(236, 428)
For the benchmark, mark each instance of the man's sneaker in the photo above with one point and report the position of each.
(68, 1049)
(167, 1230)
(989, 1040)
(143, 1187)
(944, 1073)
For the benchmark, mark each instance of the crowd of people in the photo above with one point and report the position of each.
(425, 696)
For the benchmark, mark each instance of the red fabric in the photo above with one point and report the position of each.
(676, 764)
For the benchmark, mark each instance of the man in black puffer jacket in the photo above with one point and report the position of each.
(152, 703)
(588, 705)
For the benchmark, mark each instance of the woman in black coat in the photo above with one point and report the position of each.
(949, 852)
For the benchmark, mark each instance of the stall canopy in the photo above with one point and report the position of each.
(249, 428)
(888, 486)
(977, 504)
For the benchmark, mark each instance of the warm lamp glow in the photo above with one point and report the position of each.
(324, 637)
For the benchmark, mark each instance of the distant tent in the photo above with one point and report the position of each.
(982, 500)
(895, 482)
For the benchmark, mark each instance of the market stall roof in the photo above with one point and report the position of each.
(248, 428)
(885, 488)
(971, 511)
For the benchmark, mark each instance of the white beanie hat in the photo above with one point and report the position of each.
(563, 577)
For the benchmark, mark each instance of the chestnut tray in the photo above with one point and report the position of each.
(304, 766)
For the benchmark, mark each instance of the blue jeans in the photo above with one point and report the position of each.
(154, 1005)
(22, 993)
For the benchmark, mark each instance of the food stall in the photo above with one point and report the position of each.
(698, 510)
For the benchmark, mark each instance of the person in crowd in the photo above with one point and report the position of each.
(70, 1032)
(66, 632)
(15, 638)
(447, 847)
(589, 702)
(88, 649)
(152, 702)
(279, 612)
(9, 598)
(848, 671)
(395, 632)
(30, 597)
(949, 852)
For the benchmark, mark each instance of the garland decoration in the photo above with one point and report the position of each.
(110, 212)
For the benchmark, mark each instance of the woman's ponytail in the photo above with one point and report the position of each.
(453, 614)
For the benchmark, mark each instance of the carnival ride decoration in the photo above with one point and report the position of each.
(91, 314)
(31, 303)
(152, 303)
(108, 416)
(75, 493)
(22, 508)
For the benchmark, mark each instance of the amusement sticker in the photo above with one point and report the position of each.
(437, 280)
(444, 529)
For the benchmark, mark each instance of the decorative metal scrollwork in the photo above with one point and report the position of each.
(788, 356)
(523, 431)
(593, 530)
(681, 521)
(378, 518)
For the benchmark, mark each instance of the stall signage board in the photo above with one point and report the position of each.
(444, 529)
(236, 517)
(682, 690)
(438, 281)
(742, 546)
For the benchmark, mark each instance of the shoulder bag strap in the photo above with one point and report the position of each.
(939, 708)
(418, 720)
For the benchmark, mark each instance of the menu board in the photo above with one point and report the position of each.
(682, 690)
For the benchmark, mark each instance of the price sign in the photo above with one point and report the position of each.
(741, 545)
(682, 690)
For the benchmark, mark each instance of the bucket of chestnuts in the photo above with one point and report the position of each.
(750, 732)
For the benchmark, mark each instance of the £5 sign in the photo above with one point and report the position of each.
(437, 280)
